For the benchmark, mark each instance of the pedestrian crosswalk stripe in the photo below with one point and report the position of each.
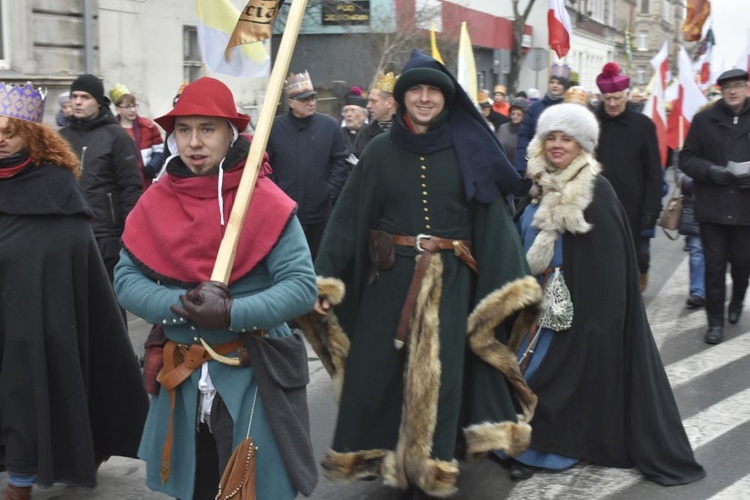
(738, 491)
(594, 481)
(708, 360)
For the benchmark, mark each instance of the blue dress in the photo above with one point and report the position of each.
(530, 456)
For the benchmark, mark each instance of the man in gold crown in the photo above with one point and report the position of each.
(382, 107)
(71, 387)
(308, 152)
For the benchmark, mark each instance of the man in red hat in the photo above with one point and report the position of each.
(629, 153)
(164, 276)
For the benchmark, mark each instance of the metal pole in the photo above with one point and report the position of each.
(88, 35)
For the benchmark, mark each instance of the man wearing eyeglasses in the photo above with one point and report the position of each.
(308, 152)
(716, 155)
(109, 162)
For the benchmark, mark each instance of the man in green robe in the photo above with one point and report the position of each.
(436, 284)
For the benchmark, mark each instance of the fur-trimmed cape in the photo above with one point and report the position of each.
(400, 411)
(603, 393)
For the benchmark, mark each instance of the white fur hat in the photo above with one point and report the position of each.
(572, 119)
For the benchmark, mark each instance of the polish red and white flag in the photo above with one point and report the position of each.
(689, 102)
(560, 27)
(655, 105)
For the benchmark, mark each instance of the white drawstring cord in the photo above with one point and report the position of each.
(235, 135)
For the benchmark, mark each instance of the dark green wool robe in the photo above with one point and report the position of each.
(448, 385)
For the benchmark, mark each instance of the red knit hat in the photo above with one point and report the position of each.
(205, 97)
(611, 80)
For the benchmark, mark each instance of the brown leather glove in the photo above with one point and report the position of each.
(208, 305)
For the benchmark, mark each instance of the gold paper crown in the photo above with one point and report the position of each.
(483, 96)
(25, 103)
(385, 81)
(296, 84)
(117, 92)
(576, 95)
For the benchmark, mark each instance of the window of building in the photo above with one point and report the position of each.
(642, 40)
(192, 66)
(641, 75)
(644, 7)
(4, 36)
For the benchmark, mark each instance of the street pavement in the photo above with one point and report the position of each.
(710, 384)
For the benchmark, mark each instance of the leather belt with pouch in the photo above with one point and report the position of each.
(381, 250)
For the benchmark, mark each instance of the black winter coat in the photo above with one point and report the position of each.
(717, 136)
(308, 158)
(629, 153)
(111, 178)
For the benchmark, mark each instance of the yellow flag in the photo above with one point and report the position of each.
(255, 23)
(216, 20)
(467, 67)
(435, 52)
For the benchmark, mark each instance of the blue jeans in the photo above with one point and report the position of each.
(697, 267)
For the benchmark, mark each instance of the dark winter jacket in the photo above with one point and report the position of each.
(110, 177)
(528, 129)
(497, 119)
(717, 136)
(368, 133)
(308, 157)
(507, 134)
(629, 153)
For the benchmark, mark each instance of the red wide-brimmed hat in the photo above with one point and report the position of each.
(205, 97)
(611, 79)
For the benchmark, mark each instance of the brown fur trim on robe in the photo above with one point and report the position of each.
(524, 296)
(412, 463)
(325, 335)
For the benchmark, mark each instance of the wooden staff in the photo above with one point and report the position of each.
(228, 249)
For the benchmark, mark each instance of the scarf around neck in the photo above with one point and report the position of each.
(562, 196)
(174, 231)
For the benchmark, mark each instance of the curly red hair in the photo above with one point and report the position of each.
(44, 145)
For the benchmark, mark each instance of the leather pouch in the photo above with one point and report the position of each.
(381, 250)
(153, 358)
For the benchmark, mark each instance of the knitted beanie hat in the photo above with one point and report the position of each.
(92, 85)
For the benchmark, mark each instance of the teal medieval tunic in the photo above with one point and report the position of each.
(401, 410)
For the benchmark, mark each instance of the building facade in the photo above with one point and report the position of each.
(151, 45)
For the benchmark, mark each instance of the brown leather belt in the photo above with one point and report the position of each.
(180, 361)
(426, 245)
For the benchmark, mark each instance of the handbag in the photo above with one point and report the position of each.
(670, 218)
(238, 480)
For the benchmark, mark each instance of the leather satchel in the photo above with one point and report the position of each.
(153, 358)
(670, 218)
(238, 479)
(381, 250)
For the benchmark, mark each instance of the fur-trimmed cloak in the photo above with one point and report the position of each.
(603, 393)
(454, 376)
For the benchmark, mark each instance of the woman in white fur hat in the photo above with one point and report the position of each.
(603, 394)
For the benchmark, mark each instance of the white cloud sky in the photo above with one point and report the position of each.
(731, 24)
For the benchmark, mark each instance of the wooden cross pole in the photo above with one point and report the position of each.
(228, 249)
